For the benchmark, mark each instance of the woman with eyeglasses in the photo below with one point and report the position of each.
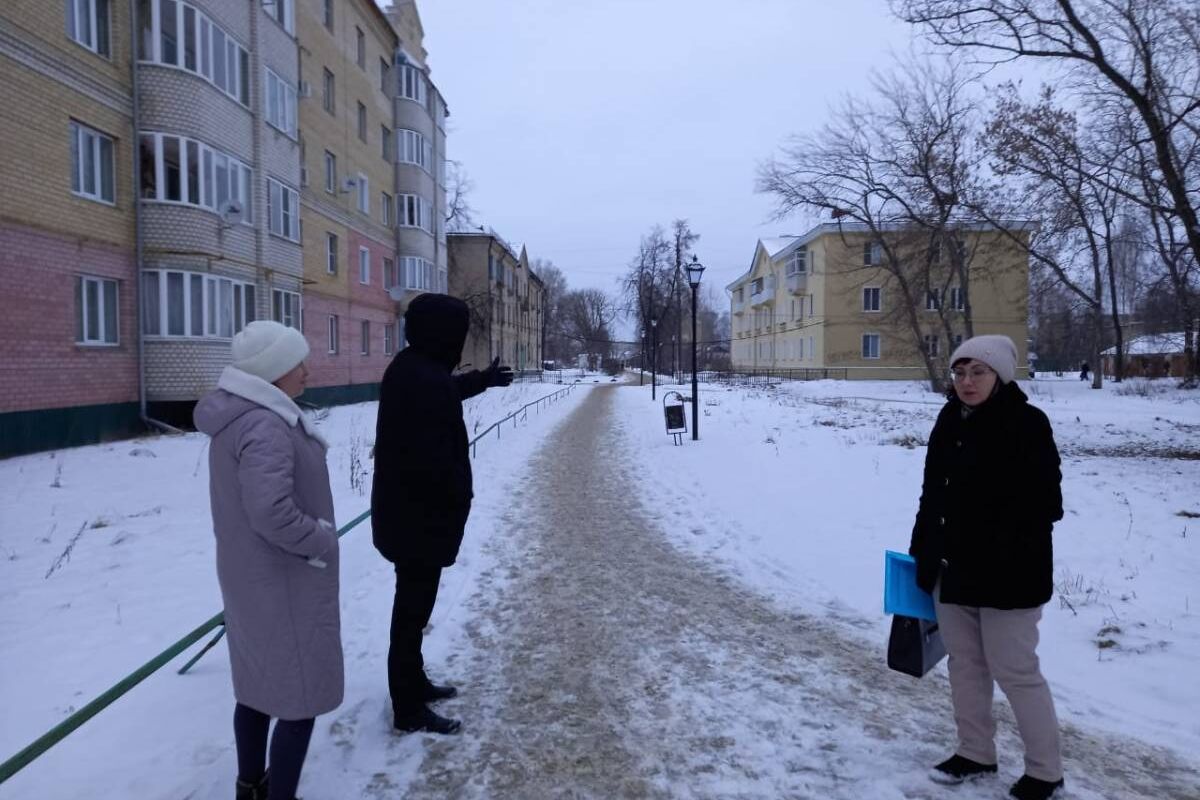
(990, 498)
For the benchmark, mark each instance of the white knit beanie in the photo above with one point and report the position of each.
(998, 352)
(268, 349)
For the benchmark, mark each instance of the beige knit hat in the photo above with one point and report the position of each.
(998, 352)
(268, 349)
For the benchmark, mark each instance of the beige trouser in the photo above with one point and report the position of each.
(986, 645)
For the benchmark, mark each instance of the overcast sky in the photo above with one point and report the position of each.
(585, 122)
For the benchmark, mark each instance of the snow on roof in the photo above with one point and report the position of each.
(1151, 345)
(774, 246)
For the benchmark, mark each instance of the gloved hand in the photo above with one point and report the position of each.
(498, 375)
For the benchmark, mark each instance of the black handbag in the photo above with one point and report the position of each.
(915, 646)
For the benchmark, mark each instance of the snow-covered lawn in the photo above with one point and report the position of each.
(106, 558)
(799, 489)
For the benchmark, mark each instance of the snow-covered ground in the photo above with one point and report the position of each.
(793, 493)
(799, 489)
(106, 558)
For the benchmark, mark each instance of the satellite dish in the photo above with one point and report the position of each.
(231, 213)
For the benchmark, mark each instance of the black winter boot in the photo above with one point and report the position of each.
(423, 719)
(253, 791)
(1028, 788)
(432, 692)
(957, 769)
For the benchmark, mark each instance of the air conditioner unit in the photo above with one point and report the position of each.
(304, 176)
(305, 89)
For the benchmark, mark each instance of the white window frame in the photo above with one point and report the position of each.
(872, 254)
(331, 253)
(389, 272)
(331, 333)
(413, 148)
(283, 12)
(234, 60)
(798, 262)
(389, 339)
(364, 347)
(414, 211)
(416, 273)
(360, 48)
(280, 104)
(103, 287)
(867, 296)
(330, 172)
(385, 143)
(221, 300)
(287, 308)
(90, 39)
(878, 342)
(932, 344)
(933, 299)
(90, 144)
(361, 121)
(412, 85)
(363, 183)
(329, 91)
(283, 210)
(958, 299)
(386, 212)
(215, 170)
(364, 266)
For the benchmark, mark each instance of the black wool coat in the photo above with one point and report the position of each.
(422, 488)
(990, 497)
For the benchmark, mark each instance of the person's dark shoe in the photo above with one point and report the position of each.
(426, 720)
(253, 791)
(433, 692)
(1028, 788)
(956, 769)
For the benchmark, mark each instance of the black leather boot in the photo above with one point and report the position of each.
(253, 791)
(423, 719)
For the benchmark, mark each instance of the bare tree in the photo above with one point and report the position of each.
(459, 214)
(900, 169)
(647, 290)
(587, 316)
(554, 283)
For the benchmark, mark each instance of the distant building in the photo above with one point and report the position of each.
(1159, 355)
(822, 302)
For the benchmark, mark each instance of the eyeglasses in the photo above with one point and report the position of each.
(975, 374)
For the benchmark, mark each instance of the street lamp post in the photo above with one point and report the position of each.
(642, 361)
(653, 359)
(694, 270)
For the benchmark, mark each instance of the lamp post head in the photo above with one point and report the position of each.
(694, 270)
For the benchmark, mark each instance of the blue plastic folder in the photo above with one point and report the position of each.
(901, 595)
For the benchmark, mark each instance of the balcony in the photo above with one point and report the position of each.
(797, 283)
(739, 307)
(763, 296)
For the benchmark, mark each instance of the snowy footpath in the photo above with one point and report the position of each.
(628, 619)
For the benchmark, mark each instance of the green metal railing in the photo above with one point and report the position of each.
(63, 729)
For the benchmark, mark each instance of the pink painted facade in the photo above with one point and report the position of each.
(42, 365)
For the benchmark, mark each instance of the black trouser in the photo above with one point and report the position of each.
(416, 592)
(289, 745)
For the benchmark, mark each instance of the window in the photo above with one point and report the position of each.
(385, 142)
(331, 253)
(413, 148)
(872, 298)
(180, 35)
(91, 164)
(96, 320)
(327, 13)
(389, 273)
(933, 299)
(798, 263)
(958, 298)
(283, 208)
(360, 43)
(417, 274)
(872, 254)
(415, 212)
(285, 308)
(956, 340)
(364, 266)
(870, 345)
(332, 332)
(931, 344)
(385, 208)
(364, 193)
(179, 170)
(282, 11)
(362, 122)
(195, 304)
(330, 172)
(281, 104)
(383, 75)
(365, 345)
(328, 100)
(389, 341)
(87, 23)
(412, 84)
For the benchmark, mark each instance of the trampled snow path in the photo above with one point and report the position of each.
(612, 665)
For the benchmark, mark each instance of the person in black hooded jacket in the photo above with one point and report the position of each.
(422, 488)
(982, 541)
